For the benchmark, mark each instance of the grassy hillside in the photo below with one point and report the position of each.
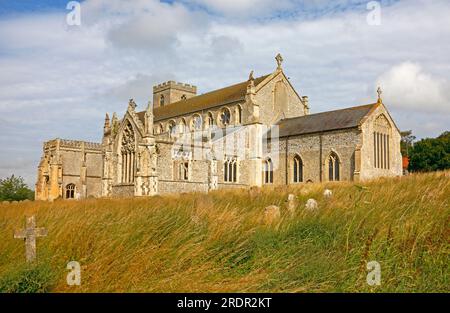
(219, 242)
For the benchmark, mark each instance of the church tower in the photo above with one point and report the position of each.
(171, 91)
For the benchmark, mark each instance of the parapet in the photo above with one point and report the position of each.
(175, 85)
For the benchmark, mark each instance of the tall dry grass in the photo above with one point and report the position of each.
(219, 242)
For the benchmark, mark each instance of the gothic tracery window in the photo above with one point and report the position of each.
(128, 154)
(333, 167)
(225, 117)
(230, 170)
(70, 191)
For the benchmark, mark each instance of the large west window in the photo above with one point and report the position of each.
(381, 143)
(128, 154)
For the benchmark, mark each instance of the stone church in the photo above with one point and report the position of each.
(254, 133)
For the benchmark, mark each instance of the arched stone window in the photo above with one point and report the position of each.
(268, 171)
(161, 128)
(298, 169)
(225, 117)
(209, 121)
(381, 143)
(128, 154)
(182, 126)
(183, 170)
(161, 100)
(196, 122)
(333, 167)
(70, 191)
(230, 170)
(239, 114)
(171, 129)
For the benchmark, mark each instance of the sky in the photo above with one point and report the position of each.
(58, 80)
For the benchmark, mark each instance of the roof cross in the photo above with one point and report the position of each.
(379, 92)
(29, 234)
(279, 60)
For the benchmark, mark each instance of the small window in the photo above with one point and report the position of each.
(184, 170)
(161, 100)
(183, 97)
(298, 169)
(268, 171)
(239, 114)
(70, 191)
(209, 121)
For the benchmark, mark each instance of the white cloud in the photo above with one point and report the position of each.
(155, 27)
(408, 86)
(243, 7)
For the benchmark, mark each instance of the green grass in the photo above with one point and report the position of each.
(220, 243)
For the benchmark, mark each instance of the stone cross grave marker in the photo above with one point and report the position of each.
(29, 234)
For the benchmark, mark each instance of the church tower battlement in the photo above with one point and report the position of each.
(171, 91)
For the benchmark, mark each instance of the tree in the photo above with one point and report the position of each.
(406, 142)
(14, 189)
(431, 154)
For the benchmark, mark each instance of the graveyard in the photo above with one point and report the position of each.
(305, 238)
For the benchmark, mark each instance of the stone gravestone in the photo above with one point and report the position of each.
(327, 193)
(271, 214)
(311, 205)
(29, 234)
(291, 203)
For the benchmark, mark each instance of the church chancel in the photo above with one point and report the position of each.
(254, 133)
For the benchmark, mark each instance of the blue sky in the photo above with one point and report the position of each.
(59, 81)
(8, 7)
(316, 8)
